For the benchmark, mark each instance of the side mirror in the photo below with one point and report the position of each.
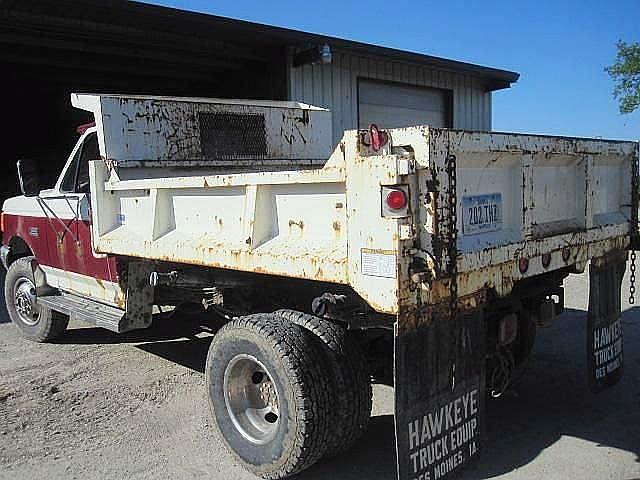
(28, 178)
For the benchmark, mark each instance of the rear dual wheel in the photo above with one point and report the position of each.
(347, 369)
(268, 395)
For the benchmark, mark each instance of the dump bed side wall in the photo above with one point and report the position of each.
(281, 223)
(324, 224)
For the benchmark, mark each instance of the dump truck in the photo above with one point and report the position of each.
(424, 258)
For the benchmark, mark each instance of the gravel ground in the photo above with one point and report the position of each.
(97, 405)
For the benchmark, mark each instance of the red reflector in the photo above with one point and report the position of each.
(378, 137)
(523, 264)
(396, 199)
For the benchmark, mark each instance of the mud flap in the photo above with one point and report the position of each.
(439, 395)
(139, 304)
(604, 323)
(40, 281)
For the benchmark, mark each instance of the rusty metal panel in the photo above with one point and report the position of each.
(290, 223)
(569, 198)
(138, 131)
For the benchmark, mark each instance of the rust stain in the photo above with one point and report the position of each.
(120, 301)
(298, 223)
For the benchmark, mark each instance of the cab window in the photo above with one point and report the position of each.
(76, 179)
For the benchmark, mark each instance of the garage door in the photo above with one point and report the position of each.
(391, 105)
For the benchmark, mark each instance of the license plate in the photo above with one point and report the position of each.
(481, 213)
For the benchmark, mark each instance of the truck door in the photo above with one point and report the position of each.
(72, 259)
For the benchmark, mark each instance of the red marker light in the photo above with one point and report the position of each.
(523, 264)
(396, 199)
(377, 137)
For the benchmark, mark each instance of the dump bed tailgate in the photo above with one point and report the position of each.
(516, 197)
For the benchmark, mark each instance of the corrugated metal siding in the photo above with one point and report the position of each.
(335, 86)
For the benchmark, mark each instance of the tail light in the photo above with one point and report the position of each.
(395, 201)
(1, 221)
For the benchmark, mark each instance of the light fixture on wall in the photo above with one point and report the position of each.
(319, 55)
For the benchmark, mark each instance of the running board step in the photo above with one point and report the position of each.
(87, 310)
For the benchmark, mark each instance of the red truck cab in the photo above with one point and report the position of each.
(49, 232)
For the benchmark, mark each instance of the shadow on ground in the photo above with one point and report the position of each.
(552, 399)
(182, 339)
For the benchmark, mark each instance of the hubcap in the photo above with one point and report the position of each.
(251, 399)
(25, 301)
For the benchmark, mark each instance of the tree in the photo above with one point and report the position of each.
(625, 72)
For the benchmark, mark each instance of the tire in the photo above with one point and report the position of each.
(280, 361)
(351, 393)
(36, 322)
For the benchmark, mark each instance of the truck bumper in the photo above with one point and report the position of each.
(4, 255)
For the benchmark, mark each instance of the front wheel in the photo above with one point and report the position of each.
(36, 322)
(269, 395)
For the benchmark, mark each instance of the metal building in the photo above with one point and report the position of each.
(50, 48)
(396, 89)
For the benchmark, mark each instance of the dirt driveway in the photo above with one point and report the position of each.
(97, 405)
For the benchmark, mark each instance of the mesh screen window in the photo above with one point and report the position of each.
(232, 135)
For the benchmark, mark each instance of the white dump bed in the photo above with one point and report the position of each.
(478, 203)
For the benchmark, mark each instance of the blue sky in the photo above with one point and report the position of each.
(560, 48)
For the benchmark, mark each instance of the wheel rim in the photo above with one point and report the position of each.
(251, 399)
(25, 301)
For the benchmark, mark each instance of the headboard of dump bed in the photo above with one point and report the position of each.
(139, 131)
